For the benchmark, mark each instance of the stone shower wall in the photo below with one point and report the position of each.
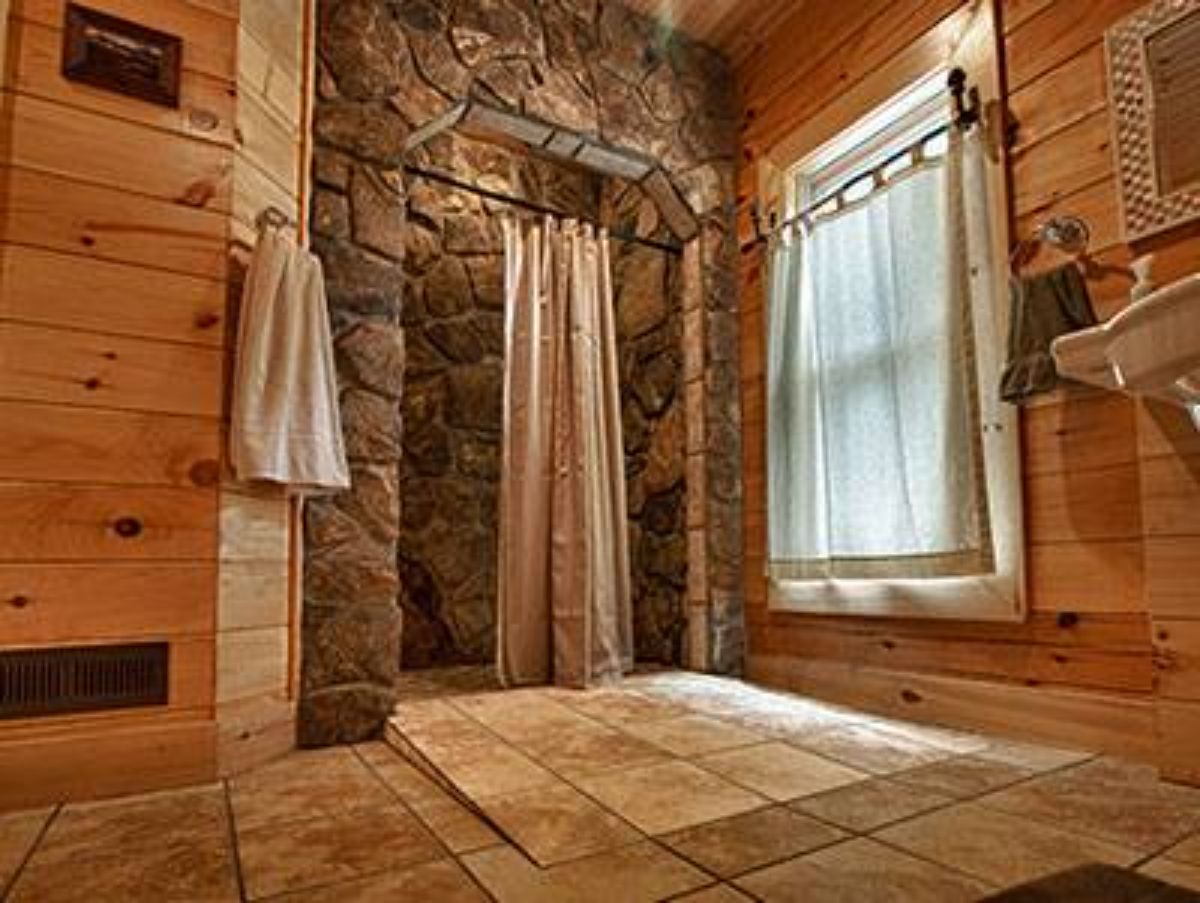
(413, 273)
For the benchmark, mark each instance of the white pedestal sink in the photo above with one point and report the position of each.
(1152, 348)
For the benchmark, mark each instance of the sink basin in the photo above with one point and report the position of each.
(1152, 347)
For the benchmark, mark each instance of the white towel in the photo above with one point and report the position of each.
(285, 425)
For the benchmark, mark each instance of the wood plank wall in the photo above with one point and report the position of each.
(118, 291)
(256, 623)
(1111, 488)
(113, 243)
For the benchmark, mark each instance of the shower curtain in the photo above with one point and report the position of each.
(564, 612)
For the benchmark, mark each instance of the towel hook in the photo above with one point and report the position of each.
(272, 217)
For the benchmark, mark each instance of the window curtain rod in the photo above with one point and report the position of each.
(534, 207)
(966, 114)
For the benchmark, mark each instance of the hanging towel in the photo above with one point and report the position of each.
(1044, 307)
(285, 426)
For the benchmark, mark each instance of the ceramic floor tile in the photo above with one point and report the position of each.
(398, 774)
(718, 893)
(872, 750)
(306, 854)
(693, 735)
(456, 826)
(1186, 851)
(590, 749)
(1030, 757)
(1113, 801)
(490, 769)
(641, 873)
(735, 845)
(1179, 874)
(443, 881)
(555, 824)
(304, 785)
(436, 726)
(1001, 849)
(868, 805)
(520, 715)
(617, 707)
(162, 846)
(860, 871)
(18, 831)
(779, 771)
(963, 777)
(668, 796)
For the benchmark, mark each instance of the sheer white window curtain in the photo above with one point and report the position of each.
(878, 427)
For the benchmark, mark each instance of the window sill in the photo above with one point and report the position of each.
(983, 598)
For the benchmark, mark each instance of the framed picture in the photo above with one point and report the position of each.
(121, 56)
(1154, 90)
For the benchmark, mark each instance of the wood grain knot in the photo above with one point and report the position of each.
(87, 241)
(127, 527)
(198, 194)
(205, 473)
(1067, 619)
(92, 383)
(206, 320)
(911, 696)
(20, 601)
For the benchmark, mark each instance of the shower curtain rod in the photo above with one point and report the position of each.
(453, 182)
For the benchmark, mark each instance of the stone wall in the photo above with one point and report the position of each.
(413, 272)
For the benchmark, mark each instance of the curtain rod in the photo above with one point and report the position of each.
(966, 114)
(532, 206)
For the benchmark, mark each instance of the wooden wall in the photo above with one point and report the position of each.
(1110, 493)
(116, 218)
(257, 622)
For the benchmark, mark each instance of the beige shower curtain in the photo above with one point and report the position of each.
(564, 611)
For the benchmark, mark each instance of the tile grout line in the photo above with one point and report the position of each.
(232, 836)
(11, 886)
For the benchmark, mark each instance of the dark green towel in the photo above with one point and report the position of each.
(1043, 308)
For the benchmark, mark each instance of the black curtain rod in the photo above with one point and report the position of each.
(967, 113)
(453, 182)
(820, 202)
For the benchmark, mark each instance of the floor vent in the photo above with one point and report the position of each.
(37, 682)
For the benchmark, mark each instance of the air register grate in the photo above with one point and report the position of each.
(37, 682)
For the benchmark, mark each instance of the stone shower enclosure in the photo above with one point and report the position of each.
(401, 569)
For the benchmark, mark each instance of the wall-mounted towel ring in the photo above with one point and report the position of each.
(272, 218)
(1069, 234)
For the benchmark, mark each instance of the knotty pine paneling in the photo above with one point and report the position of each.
(1052, 37)
(48, 364)
(61, 523)
(1177, 647)
(102, 761)
(59, 444)
(114, 221)
(57, 214)
(61, 140)
(83, 603)
(1109, 500)
(41, 286)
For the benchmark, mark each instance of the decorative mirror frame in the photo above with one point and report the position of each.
(1145, 211)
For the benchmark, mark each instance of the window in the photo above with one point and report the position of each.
(881, 498)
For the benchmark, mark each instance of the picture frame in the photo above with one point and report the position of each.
(1154, 98)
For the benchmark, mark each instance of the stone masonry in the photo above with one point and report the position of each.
(400, 570)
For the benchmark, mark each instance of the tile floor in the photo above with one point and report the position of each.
(675, 786)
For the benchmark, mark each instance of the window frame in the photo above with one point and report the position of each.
(997, 596)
